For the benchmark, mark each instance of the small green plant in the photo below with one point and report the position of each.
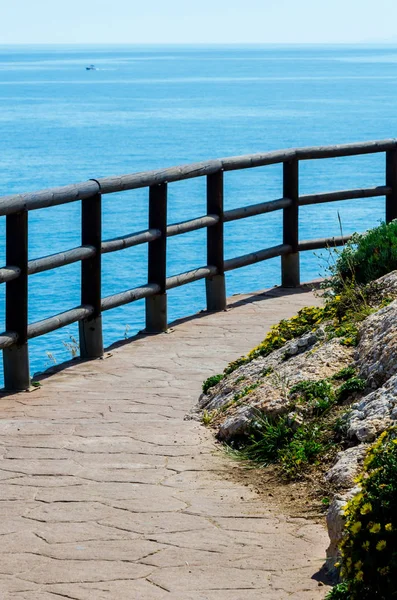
(208, 417)
(246, 390)
(235, 365)
(268, 437)
(352, 385)
(347, 332)
(278, 441)
(368, 549)
(318, 395)
(345, 373)
(305, 446)
(339, 592)
(211, 382)
(266, 372)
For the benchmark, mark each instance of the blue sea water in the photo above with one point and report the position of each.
(150, 107)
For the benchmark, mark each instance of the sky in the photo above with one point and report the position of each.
(198, 21)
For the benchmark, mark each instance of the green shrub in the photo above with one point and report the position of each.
(352, 385)
(211, 382)
(304, 448)
(366, 257)
(369, 547)
(339, 592)
(345, 373)
(318, 395)
(269, 435)
(277, 441)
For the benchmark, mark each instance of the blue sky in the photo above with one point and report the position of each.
(201, 21)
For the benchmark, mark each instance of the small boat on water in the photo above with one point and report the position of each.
(91, 68)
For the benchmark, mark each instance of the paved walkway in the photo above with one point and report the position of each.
(108, 493)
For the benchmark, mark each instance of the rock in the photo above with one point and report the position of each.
(374, 413)
(238, 424)
(377, 347)
(295, 420)
(347, 467)
(264, 383)
(336, 524)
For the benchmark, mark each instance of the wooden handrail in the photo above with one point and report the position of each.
(14, 341)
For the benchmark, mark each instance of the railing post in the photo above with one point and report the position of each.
(16, 358)
(215, 285)
(90, 330)
(391, 181)
(156, 306)
(290, 272)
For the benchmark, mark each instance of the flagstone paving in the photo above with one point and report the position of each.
(107, 492)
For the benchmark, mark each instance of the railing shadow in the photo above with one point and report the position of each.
(235, 301)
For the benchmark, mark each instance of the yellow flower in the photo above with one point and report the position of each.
(381, 545)
(384, 570)
(358, 565)
(360, 576)
(389, 527)
(356, 527)
(374, 527)
(337, 565)
(365, 546)
(366, 508)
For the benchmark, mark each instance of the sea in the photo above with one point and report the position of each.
(148, 107)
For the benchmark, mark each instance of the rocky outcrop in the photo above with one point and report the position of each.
(264, 385)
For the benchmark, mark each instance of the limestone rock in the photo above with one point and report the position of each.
(347, 466)
(335, 525)
(376, 352)
(263, 384)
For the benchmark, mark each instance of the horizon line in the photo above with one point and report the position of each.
(193, 44)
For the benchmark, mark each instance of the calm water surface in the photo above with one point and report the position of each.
(150, 107)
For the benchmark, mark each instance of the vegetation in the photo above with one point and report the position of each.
(369, 548)
(300, 439)
(366, 257)
(211, 382)
(279, 441)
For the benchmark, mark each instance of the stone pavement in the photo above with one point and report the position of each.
(108, 493)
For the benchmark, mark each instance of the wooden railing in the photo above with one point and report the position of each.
(14, 342)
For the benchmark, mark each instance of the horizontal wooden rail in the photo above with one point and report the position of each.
(192, 225)
(255, 257)
(9, 273)
(8, 339)
(145, 291)
(61, 320)
(319, 243)
(71, 193)
(345, 195)
(46, 198)
(14, 341)
(60, 259)
(256, 209)
(190, 276)
(127, 241)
